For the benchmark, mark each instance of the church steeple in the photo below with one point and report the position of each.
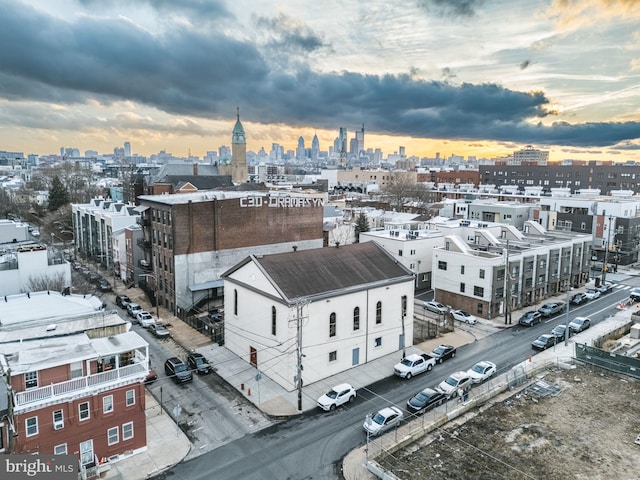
(238, 136)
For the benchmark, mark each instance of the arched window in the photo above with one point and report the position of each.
(235, 302)
(379, 312)
(356, 318)
(273, 320)
(332, 325)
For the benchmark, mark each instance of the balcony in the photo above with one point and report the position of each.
(145, 244)
(145, 222)
(91, 383)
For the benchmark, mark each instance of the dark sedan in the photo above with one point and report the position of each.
(544, 341)
(578, 299)
(443, 352)
(425, 400)
(529, 319)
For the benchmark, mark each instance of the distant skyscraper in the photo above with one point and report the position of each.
(530, 156)
(360, 140)
(300, 150)
(343, 146)
(315, 147)
(239, 152)
(127, 149)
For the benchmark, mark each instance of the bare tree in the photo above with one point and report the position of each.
(55, 282)
(399, 188)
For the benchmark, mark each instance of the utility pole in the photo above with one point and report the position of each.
(299, 307)
(605, 267)
(507, 287)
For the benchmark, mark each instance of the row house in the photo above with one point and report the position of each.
(484, 271)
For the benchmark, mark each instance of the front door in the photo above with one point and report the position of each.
(253, 357)
(86, 453)
(355, 356)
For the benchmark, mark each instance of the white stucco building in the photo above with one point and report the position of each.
(336, 307)
(32, 264)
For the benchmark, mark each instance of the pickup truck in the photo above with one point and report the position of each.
(414, 364)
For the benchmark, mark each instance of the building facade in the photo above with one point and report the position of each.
(329, 308)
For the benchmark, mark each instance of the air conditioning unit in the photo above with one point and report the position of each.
(58, 425)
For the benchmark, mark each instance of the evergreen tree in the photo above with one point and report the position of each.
(362, 225)
(58, 194)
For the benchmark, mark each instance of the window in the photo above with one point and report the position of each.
(31, 379)
(60, 449)
(127, 431)
(479, 309)
(333, 356)
(412, 252)
(378, 342)
(478, 291)
(58, 420)
(107, 404)
(403, 305)
(83, 409)
(461, 269)
(113, 436)
(130, 398)
(76, 369)
(379, 312)
(442, 265)
(273, 320)
(235, 302)
(482, 273)
(32, 426)
(332, 325)
(356, 318)
(462, 288)
(399, 253)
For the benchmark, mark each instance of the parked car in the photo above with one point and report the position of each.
(145, 319)
(551, 309)
(104, 285)
(35, 233)
(530, 318)
(122, 301)
(559, 332)
(454, 382)
(443, 352)
(425, 400)
(436, 307)
(598, 266)
(463, 316)
(544, 341)
(605, 287)
(481, 371)
(592, 294)
(579, 324)
(159, 331)
(94, 277)
(634, 294)
(383, 420)
(336, 396)
(151, 377)
(177, 370)
(414, 364)
(198, 363)
(133, 309)
(578, 299)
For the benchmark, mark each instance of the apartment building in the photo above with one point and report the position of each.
(75, 379)
(191, 239)
(26, 267)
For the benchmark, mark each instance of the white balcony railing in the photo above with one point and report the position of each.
(77, 384)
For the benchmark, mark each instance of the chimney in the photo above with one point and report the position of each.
(195, 169)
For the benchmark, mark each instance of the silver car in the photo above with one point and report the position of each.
(383, 420)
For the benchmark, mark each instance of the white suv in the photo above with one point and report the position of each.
(335, 397)
(454, 382)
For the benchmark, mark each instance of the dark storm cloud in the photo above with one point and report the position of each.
(289, 33)
(451, 8)
(207, 74)
(200, 10)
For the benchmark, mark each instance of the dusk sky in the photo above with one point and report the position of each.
(451, 76)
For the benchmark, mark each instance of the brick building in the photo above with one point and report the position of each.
(191, 239)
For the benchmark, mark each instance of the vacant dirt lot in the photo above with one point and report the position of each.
(587, 431)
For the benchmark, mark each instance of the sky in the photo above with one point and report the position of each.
(464, 77)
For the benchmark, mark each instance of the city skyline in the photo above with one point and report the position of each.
(435, 76)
